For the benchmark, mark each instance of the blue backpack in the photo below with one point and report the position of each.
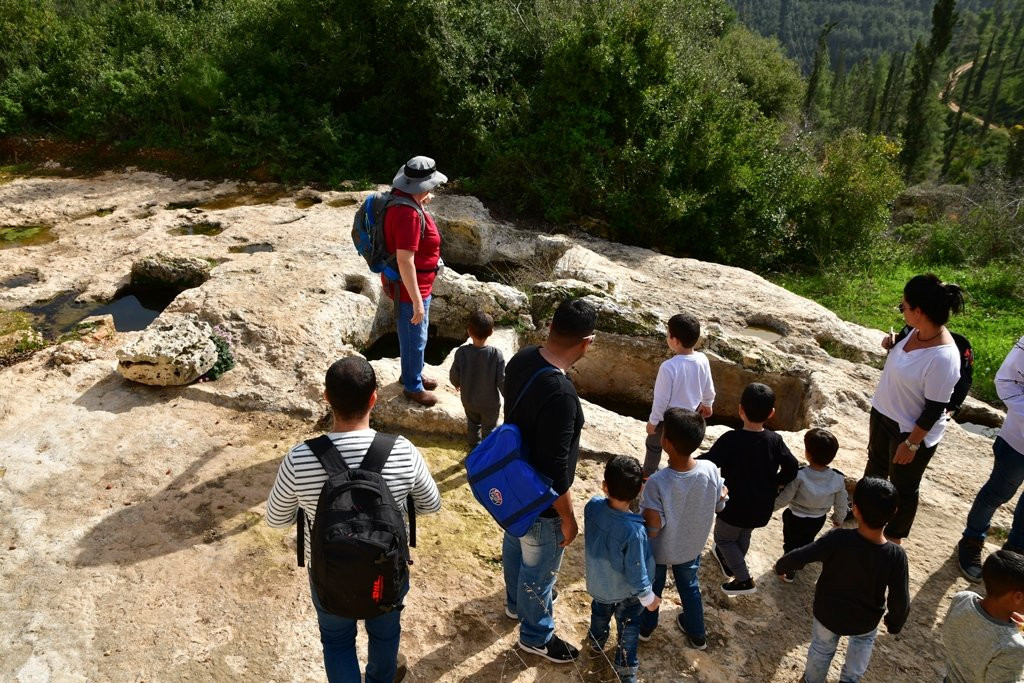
(368, 232)
(502, 479)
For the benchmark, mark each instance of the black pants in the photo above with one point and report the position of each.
(799, 531)
(884, 437)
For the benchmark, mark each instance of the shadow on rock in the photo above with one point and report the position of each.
(183, 514)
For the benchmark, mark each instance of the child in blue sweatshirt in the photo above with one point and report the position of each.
(619, 564)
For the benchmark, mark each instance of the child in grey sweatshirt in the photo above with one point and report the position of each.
(478, 373)
(817, 488)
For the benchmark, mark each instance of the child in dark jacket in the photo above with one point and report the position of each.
(862, 573)
(619, 564)
(478, 374)
(755, 464)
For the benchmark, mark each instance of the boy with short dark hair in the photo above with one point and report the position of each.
(817, 488)
(755, 464)
(619, 564)
(478, 374)
(684, 381)
(862, 573)
(982, 635)
(678, 505)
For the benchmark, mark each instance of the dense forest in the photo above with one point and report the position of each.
(864, 29)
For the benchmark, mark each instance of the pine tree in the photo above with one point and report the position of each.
(954, 128)
(820, 64)
(917, 134)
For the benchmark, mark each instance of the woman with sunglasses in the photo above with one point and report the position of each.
(908, 410)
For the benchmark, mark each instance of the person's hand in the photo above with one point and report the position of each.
(904, 456)
(651, 428)
(887, 342)
(653, 607)
(417, 313)
(705, 410)
(570, 530)
(725, 492)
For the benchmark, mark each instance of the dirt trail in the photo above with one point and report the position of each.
(954, 78)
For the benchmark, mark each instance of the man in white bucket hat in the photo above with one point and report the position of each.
(417, 246)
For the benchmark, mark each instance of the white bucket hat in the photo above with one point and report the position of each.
(419, 174)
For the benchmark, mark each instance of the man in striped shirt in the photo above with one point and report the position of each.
(351, 391)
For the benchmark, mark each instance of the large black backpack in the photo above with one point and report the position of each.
(359, 547)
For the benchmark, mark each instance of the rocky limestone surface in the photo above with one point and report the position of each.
(164, 571)
(171, 352)
(163, 271)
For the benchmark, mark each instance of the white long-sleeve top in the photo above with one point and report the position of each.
(684, 381)
(1010, 388)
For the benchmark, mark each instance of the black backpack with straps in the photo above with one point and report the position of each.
(359, 551)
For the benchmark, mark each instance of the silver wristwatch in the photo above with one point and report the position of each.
(912, 446)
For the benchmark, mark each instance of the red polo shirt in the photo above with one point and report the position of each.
(402, 231)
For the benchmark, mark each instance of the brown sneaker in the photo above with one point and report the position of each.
(424, 398)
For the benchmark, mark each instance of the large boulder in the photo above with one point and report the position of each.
(455, 296)
(165, 272)
(171, 352)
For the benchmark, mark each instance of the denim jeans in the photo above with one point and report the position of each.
(531, 565)
(628, 614)
(412, 343)
(1007, 476)
(338, 637)
(823, 649)
(685, 575)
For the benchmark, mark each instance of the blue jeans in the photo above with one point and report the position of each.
(823, 649)
(685, 575)
(412, 342)
(338, 636)
(627, 618)
(1007, 476)
(531, 565)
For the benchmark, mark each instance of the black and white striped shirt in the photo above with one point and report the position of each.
(301, 477)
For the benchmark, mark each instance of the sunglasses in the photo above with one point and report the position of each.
(590, 338)
(901, 307)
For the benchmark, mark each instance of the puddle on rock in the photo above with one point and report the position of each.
(183, 204)
(768, 335)
(982, 430)
(241, 198)
(437, 350)
(25, 235)
(342, 202)
(131, 309)
(251, 248)
(306, 202)
(20, 280)
(206, 228)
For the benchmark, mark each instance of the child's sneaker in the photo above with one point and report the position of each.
(694, 642)
(721, 561)
(555, 650)
(645, 636)
(595, 647)
(788, 577)
(737, 587)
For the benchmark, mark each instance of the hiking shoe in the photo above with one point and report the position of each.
(968, 558)
(694, 642)
(402, 669)
(512, 615)
(721, 561)
(788, 577)
(555, 650)
(424, 398)
(428, 384)
(737, 587)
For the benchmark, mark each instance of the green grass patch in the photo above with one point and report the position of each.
(993, 320)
